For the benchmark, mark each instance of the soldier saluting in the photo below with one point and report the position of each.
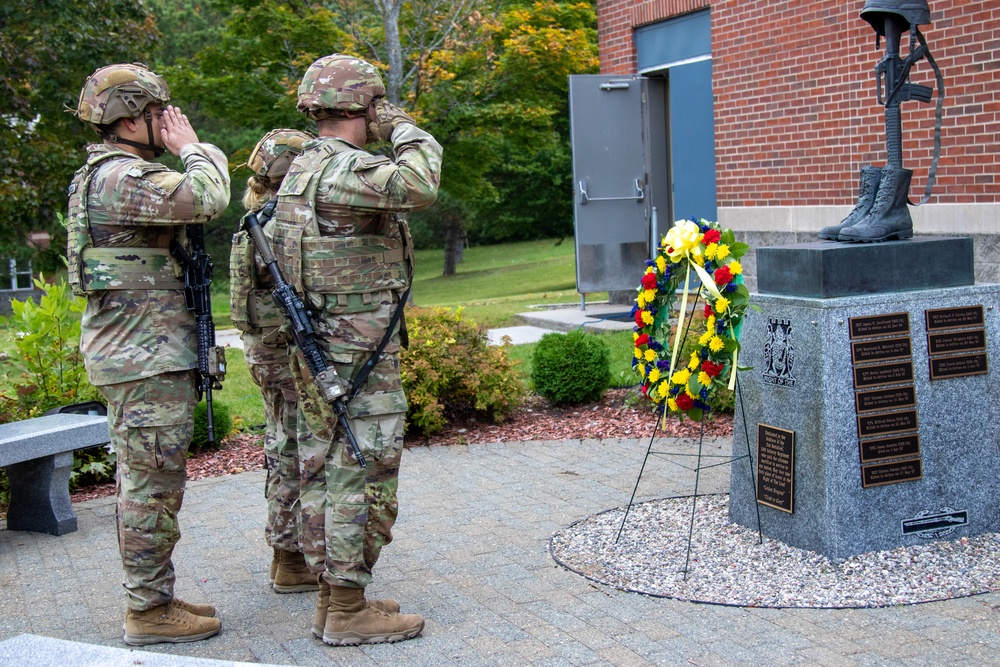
(341, 241)
(138, 338)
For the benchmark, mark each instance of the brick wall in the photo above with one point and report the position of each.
(795, 107)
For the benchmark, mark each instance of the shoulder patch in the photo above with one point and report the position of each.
(375, 171)
(164, 180)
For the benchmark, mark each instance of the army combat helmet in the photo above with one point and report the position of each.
(273, 154)
(339, 85)
(912, 12)
(122, 91)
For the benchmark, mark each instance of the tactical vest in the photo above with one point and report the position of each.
(252, 308)
(349, 271)
(92, 268)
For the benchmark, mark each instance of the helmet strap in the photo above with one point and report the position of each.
(151, 146)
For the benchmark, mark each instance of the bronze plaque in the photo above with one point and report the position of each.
(891, 473)
(879, 325)
(890, 448)
(880, 350)
(886, 399)
(952, 318)
(873, 376)
(943, 368)
(956, 341)
(775, 467)
(886, 423)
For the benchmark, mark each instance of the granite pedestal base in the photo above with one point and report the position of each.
(934, 441)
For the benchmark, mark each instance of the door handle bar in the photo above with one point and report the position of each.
(638, 196)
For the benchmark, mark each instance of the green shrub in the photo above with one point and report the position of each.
(48, 370)
(571, 368)
(451, 370)
(221, 422)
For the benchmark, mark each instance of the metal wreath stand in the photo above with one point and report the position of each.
(700, 465)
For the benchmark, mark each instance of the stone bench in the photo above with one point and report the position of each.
(38, 456)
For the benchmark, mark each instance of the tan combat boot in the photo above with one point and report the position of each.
(350, 620)
(388, 605)
(167, 623)
(292, 575)
(274, 566)
(206, 610)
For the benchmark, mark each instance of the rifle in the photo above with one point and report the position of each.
(330, 385)
(197, 267)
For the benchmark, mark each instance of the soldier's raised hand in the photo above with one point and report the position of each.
(176, 131)
(383, 118)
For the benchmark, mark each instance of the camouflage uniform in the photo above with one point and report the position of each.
(265, 348)
(138, 338)
(340, 241)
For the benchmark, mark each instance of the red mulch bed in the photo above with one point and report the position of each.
(618, 415)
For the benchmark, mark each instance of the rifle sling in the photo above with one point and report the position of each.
(359, 380)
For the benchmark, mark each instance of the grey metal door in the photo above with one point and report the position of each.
(611, 122)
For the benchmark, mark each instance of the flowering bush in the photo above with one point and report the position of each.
(450, 369)
(684, 386)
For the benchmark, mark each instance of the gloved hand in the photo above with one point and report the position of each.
(383, 117)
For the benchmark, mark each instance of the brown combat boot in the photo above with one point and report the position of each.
(350, 620)
(167, 623)
(388, 605)
(206, 610)
(292, 575)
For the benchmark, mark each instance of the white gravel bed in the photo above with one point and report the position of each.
(729, 566)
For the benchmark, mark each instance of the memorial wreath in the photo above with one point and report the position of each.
(691, 248)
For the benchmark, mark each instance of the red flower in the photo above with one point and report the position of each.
(649, 280)
(723, 275)
(644, 388)
(711, 369)
(708, 310)
(711, 236)
(643, 339)
(684, 402)
(638, 318)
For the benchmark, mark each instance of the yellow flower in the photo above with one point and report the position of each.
(710, 323)
(638, 353)
(704, 379)
(681, 376)
(722, 252)
(661, 263)
(642, 370)
(687, 390)
(640, 299)
(650, 355)
(716, 344)
(705, 337)
(650, 295)
(635, 336)
(683, 239)
(710, 250)
(654, 375)
(647, 317)
(663, 389)
(672, 404)
(735, 268)
(721, 304)
(695, 361)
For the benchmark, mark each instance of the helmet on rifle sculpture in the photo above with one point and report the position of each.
(914, 12)
(339, 85)
(120, 91)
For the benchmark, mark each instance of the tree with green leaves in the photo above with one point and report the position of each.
(47, 50)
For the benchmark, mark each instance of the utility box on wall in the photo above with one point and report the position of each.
(620, 177)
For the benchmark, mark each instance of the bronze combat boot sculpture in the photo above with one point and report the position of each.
(882, 213)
